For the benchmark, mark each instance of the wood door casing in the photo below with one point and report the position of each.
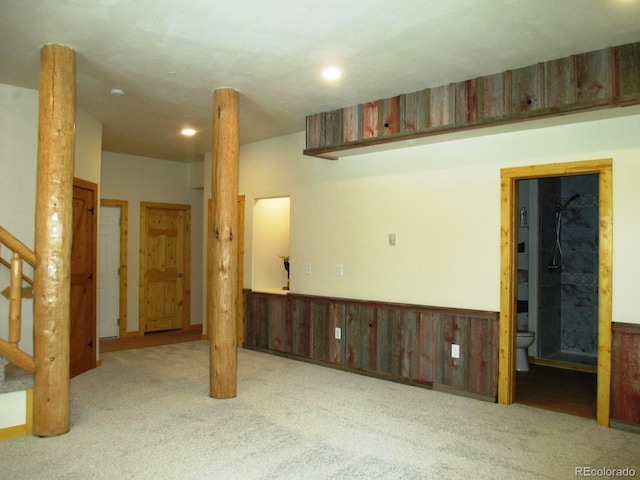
(165, 258)
(83, 282)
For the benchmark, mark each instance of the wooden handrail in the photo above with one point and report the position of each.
(21, 253)
(17, 246)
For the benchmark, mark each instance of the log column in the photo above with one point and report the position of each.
(53, 234)
(224, 190)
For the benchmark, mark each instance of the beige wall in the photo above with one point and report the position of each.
(18, 163)
(136, 179)
(442, 200)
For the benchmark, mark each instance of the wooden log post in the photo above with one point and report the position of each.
(224, 190)
(53, 234)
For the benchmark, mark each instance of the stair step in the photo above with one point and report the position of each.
(15, 378)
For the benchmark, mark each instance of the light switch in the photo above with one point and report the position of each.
(392, 239)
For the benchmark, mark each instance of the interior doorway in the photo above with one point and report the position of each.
(112, 317)
(509, 273)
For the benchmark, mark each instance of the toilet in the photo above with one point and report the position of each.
(523, 342)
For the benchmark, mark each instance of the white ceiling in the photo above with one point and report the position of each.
(170, 55)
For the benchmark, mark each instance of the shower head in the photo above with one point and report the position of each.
(566, 204)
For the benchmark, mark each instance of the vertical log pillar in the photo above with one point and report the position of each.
(53, 234)
(224, 190)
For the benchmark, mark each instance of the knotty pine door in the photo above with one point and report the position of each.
(164, 266)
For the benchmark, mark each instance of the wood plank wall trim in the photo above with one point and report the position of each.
(407, 343)
(604, 78)
(625, 373)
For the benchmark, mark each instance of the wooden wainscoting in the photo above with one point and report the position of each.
(406, 343)
(625, 374)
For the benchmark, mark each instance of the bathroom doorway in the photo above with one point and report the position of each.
(513, 181)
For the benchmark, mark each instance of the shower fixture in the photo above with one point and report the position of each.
(566, 204)
(557, 254)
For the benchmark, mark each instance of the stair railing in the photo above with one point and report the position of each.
(20, 253)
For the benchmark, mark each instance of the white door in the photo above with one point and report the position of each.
(109, 271)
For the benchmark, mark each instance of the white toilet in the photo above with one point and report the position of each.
(523, 342)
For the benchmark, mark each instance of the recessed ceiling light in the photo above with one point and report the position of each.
(331, 73)
(118, 92)
(188, 132)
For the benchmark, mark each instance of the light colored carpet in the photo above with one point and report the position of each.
(146, 414)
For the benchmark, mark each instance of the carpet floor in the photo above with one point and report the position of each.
(146, 414)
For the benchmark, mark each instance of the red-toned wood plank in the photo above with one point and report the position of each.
(370, 339)
(390, 116)
(480, 373)
(370, 120)
(301, 321)
(625, 373)
(594, 76)
(466, 101)
(388, 348)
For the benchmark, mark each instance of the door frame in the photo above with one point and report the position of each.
(186, 298)
(123, 205)
(508, 272)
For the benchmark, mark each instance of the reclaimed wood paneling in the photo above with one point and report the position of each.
(594, 77)
(401, 342)
(560, 83)
(409, 354)
(527, 89)
(391, 122)
(351, 124)
(494, 95)
(627, 61)
(441, 105)
(278, 335)
(429, 350)
(466, 102)
(625, 373)
(320, 333)
(603, 78)
(370, 120)
(333, 128)
(315, 126)
(416, 110)
(301, 320)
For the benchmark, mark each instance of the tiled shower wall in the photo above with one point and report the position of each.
(579, 278)
(568, 301)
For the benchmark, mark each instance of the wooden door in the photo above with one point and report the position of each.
(164, 266)
(83, 285)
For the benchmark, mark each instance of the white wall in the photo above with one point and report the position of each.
(136, 179)
(18, 167)
(442, 200)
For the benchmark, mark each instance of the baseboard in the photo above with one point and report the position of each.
(21, 430)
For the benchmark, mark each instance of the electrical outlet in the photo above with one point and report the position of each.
(455, 350)
(338, 333)
(339, 270)
(307, 269)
